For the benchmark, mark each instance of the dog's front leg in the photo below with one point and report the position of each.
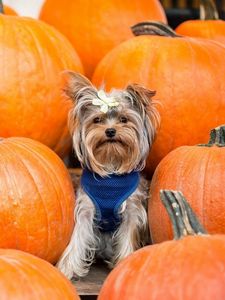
(129, 236)
(79, 254)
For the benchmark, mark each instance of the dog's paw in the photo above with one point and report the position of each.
(65, 267)
(71, 269)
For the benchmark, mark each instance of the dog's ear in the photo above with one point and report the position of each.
(141, 99)
(76, 85)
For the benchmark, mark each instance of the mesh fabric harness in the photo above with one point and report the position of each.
(107, 194)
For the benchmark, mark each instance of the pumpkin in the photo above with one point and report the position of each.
(36, 199)
(189, 267)
(209, 26)
(187, 75)
(94, 27)
(8, 10)
(198, 171)
(32, 58)
(24, 276)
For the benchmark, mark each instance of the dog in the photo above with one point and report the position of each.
(112, 134)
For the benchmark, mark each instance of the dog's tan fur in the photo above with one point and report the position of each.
(135, 120)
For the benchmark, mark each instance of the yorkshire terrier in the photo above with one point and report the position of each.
(112, 134)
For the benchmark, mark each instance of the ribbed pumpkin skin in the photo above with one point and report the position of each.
(191, 268)
(199, 173)
(26, 277)
(95, 27)
(36, 199)
(188, 77)
(209, 29)
(32, 57)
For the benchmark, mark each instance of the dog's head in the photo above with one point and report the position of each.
(112, 132)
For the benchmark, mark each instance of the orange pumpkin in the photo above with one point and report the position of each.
(9, 11)
(94, 27)
(209, 26)
(24, 276)
(32, 57)
(190, 88)
(191, 267)
(36, 199)
(197, 171)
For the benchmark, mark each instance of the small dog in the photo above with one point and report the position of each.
(112, 134)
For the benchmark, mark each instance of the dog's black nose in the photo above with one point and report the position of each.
(110, 132)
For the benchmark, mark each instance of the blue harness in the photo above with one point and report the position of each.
(107, 194)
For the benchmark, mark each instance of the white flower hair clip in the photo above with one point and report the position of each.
(104, 101)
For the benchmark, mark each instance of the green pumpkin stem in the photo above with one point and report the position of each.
(153, 28)
(208, 10)
(183, 219)
(217, 137)
(1, 7)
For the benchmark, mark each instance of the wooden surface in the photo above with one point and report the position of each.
(92, 283)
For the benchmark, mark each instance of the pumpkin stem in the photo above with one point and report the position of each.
(217, 137)
(1, 7)
(153, 28)
(183, 219)
(208, 10)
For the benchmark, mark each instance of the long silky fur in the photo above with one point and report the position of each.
(133, 231)
(128, 153)
(135, 101)
(80, 253)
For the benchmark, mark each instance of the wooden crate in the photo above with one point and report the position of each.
(90, 285)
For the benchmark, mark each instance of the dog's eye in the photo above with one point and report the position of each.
(97, 120)
(123, 119)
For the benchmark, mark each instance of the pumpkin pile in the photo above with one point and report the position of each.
(189, 267)
(36, 216)
(187, 75)
(199, 172)
(94, 27)
(114, 43)
(32, 58)
(37, 199)
(36, 192)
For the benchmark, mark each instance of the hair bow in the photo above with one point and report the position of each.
(104, 101)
